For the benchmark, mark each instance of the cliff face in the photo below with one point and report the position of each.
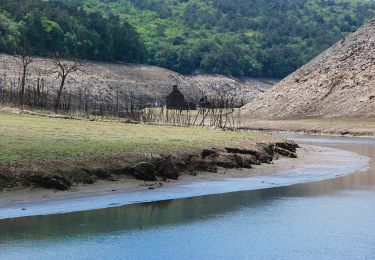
(338, 83)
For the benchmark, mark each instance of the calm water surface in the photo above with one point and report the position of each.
(331, 219)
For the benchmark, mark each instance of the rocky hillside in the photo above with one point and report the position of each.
(338, 83)
(145, 83)
(243, 88)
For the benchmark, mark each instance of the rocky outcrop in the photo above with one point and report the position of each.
(163, 166)
(144, 171)
(49, 181)
(338, 83)
(210, 160)
(168, 167)
(216, 85)
(7, 180)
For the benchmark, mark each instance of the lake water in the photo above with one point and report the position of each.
(328, 219)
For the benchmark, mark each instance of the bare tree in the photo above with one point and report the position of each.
(63, 69)
(25, 59)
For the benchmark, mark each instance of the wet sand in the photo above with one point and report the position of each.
(328, 162)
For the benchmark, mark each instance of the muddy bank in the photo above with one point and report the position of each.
(314, 163)
(62, 175)
(337, 127)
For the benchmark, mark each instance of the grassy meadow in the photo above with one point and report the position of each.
(27, 137)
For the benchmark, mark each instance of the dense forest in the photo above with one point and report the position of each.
(258, 38)
(268, 38)
(48, 28)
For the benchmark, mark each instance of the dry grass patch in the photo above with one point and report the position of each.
(27, 137)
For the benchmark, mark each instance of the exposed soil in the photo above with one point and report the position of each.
(62, 175)
(338, 83)
(144, 83)
(350, 127)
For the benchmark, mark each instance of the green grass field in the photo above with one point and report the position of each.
(25, 137)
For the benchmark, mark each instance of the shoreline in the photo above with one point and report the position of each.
(324, 127)
(160, 167)
(106, 195)
(57, 154)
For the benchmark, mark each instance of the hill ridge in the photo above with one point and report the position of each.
(337, 83)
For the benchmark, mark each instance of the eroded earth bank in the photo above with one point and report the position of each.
(161, 167)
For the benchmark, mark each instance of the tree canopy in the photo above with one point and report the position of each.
(268, 38)
(50, 27)
(258, 38)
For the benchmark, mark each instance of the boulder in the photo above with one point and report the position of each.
(7, 180)
(103, 174)
(209, 152)
(125, 170)
(197, 163)
(263, 154)
(227, 160)
(50, 181)
(165, 166)
(144, 171)
(288, 145)
(284, 152)
(245, 161)
(241, 150)
(82, 176)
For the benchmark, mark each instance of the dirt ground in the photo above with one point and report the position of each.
(143, 82)
(354, 127)
(339, 83)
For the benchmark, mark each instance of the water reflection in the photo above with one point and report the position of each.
(172, 213)
(164, 213)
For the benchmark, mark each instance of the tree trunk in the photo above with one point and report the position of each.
(57, 103)
(23, 82)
